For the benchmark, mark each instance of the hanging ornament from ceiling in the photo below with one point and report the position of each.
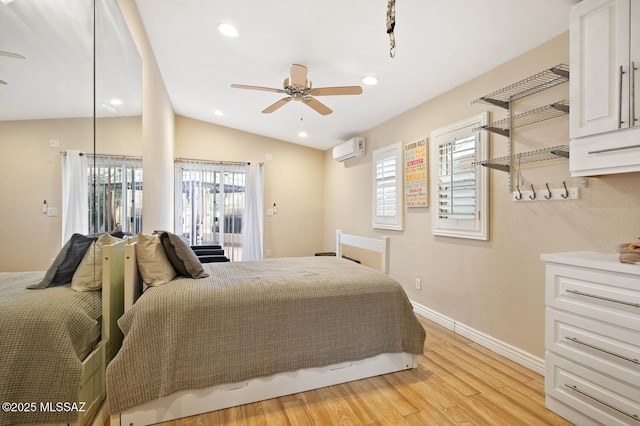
(391, 23)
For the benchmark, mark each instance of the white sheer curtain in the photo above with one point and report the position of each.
(253, 220)
(75, 195)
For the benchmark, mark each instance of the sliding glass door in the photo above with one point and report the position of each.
(210, 204)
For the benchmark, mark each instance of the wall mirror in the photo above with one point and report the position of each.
(71, 82)
(74, 86)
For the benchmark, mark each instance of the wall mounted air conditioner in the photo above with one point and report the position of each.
(350, 149)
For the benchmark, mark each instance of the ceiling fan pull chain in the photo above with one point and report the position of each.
(391, 23)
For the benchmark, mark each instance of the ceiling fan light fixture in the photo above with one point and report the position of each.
(228, 30)
(370, 80)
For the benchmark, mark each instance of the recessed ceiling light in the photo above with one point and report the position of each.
(218, 112)
(115, 102)
(228, 30)
(302, 134)
(370, 80)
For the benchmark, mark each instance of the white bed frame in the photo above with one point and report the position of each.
(191, 402)
(93, 385)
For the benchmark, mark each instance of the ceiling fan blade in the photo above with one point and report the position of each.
(276, 105)
(264, 89)
(317, 105)
(11, 55)
(3, 82)
(331, 91)
(298, 75)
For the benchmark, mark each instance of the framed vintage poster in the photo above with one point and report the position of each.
(416, 193)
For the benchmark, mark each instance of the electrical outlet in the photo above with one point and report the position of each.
(418, 283)
(268, 253)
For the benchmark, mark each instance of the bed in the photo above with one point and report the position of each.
(251, 331)
(55, 344)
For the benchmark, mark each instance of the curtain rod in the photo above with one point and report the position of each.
(111, 156)
(222, 163)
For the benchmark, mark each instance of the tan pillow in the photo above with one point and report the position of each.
(153, 264)
(88, 275)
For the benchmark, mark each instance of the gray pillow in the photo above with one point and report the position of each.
(66, 262)
(181, 256)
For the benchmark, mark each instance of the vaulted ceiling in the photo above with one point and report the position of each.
(439, 45)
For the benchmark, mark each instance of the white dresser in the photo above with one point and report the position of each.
(592, 338)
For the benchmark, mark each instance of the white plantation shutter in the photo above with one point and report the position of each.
(457, 180)
(387, 188)
(461, 188)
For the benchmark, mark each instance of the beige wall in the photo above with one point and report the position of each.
(293, 179)
(497, 286)
(31, 172)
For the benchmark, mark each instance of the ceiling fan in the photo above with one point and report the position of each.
(298, 88)
(9, 55)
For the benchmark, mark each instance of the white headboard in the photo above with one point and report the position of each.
(378, 245)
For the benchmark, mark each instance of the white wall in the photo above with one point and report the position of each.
(158, 122)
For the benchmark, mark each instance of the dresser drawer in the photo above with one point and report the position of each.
(606, 296)
(598, 396)
(609, 349)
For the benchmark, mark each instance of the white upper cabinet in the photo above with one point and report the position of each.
(604, 55)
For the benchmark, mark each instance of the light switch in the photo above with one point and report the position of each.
(52, 211)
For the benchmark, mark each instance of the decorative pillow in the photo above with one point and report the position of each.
(64, 265)
(88, 275)
(153, 264)
(181, 256)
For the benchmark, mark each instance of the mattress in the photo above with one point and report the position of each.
(44, 336)
(256, 319)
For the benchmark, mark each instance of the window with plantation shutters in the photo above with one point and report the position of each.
(387, 187)
(460, 195)
(456, 192)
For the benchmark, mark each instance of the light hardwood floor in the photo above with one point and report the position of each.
(457, 382)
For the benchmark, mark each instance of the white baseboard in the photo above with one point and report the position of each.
(516, 355)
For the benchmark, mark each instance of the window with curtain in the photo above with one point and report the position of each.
(461, 187)
(387, 187)
(116, 203)
(210, 201)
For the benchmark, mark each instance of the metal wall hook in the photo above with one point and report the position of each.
(519, 196)
(548, 197)
(533, 197)
(566, 191)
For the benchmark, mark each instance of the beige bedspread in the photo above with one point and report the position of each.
(255, 319)
(42, 333)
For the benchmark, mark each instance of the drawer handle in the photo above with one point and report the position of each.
(618, 148)
(622, 302)
(632, 114)
(632, 416)
(580, 342)
(620, 74)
